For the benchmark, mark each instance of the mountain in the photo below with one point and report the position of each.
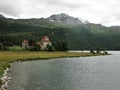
(43, 22)
(1, 16)
(60, 27)
(56, 20)
(64, 19)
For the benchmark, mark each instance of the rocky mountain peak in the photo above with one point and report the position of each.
(64, 18)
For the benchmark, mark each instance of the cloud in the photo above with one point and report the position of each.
(10, 8)
(66, 4)
(96, 11)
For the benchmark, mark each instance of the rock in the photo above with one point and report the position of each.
(5, 79)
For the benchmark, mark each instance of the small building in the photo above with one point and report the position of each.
(44, 42)
(25, 44)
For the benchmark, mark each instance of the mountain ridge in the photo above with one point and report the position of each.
(64, 18)
(78, 36)
(61, 19)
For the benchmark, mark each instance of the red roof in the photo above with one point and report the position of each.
(25, 41)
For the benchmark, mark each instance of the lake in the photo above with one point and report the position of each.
(84, 73)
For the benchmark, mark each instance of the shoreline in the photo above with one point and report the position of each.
(5, 79)
(50, 55)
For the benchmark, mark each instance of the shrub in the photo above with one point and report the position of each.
(15, 48)
(36, 47)
(105, 52)
(61, 46)
(92, 51)
(6, 48)
(1, 46)
(50, 48)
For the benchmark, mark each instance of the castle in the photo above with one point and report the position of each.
(43, 43)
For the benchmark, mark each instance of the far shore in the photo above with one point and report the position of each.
(7, 57)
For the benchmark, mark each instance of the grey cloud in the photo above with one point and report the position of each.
(58, 3)
(9, 8)
(97, 11)
(67, 5)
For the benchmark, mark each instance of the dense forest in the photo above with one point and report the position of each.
(78, 37)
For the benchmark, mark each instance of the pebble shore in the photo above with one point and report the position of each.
(5, 79)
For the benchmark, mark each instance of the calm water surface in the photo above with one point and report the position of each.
(85, 73)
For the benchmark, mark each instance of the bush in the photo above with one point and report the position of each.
(92, 51)
(36, 47)
(98, 50)
(1, 46)
(61, 46)
(15, 48)
(50, 48)
(6, 48)
(105, 52)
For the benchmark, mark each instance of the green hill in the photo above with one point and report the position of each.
(79, 35)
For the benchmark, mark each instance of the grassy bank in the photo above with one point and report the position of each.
(7, 57)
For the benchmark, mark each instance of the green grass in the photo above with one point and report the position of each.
(16, 48)
(7, 57)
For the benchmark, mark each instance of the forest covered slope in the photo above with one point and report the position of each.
(78, 36)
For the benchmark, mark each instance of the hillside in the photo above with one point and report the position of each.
(77, 34)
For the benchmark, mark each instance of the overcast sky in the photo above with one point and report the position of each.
(106, 12)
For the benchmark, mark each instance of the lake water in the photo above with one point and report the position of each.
(84, 73)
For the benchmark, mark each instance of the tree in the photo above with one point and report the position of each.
(61, 46)
(31, 42)
(98, 50)
(50, 48)
(36, 47)
(92, 51)
(1, 46)
(65, 46)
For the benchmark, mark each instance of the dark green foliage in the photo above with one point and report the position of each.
(65, 46)
(81, 37)
(0, 82)
(98, 50)
(50, 48)
(6, 48)
(61, 46)
(1, 46)
(31, 42)
(92, 51)
(105, 52)
(36, 47)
